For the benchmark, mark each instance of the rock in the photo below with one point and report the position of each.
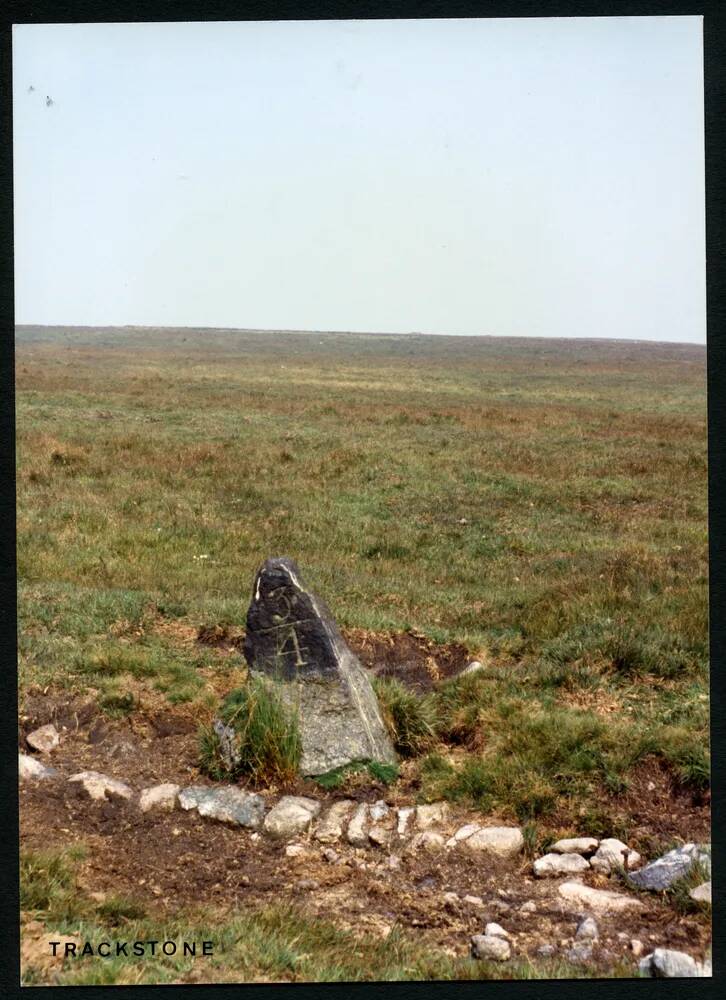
(393, 861)
(44, 739)
(580, 953)
(292, 640)
(495, 930)
(451, 899)
(431, 815)
(100, 786)
(528, 907)
(228, 804)
(30, 769)
(357, 834)
(307, 884)
(296, 851)
(471, 668)
(378, 810)
(476, 901)
(637, 947)
(379, 835)
(161, 797)
(463, 833)
(597, 900)
(490, 947)
(611, 855)
(426, 840)
(503, 841)
(559, 864)
(404, 815)
(228, 744)
(702, 893)
(331, 856)
(664, 963)
(293, 814)
(575, 845)
(330, 826)
(587, 928)
(661, 874)
(546, 950)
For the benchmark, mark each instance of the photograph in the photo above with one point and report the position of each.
(360, 382)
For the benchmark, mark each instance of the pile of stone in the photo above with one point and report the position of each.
(580, 854)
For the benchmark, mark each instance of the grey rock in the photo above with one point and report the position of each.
(378, 810)
(292, 815)
(529, 906)
(665, 963)
(379, 835)
(546, 950)
(551, 865)
(292, 640)
(496, 930)
(30, 769)
(662, 873)
(580, 953)
(404, 816)
(490, 947)
(502, 841)
(426, 840)
(330, 826)
(477, 902)
(44, 739)
(296, 851)
(575, 845)
(702, 893)
(588, 929)
(611, 855)
(584, 897)
(228, 804)
(431, 815)
(100, 786)
(228, 744)
(357, 833)
(330, 855)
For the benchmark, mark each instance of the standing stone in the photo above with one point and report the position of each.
(293, 640)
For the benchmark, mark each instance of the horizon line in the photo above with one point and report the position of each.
(363, 333)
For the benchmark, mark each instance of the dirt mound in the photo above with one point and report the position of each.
(409, 657)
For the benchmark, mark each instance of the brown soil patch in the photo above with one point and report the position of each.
(409, 657)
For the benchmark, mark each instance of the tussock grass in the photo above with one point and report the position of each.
(411, 720)
(267, 736)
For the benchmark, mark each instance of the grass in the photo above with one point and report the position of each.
(268, 944)
(267, 746)
(543, 502)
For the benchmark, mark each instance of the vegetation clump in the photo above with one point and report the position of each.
(267, 743)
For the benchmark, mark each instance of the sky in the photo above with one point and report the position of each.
(527, 177)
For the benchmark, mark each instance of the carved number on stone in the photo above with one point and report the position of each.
(290, 644)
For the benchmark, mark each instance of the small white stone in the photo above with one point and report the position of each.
(378, 810)
(330, 826)
(30, 769)
(702, 893)
(357, 834)
(162, 797)
(404, 817)
(451, 898)
(100, 786)
(637, 947)
(597, 900)
(471, 668)
(575, 845)
(427, 840)
(559, 864)
(611, 855)
(292, 815)
(502, 841)
(496, 930)
(473, 901)
(44, 739)
(380, 835)
(295, 850)
(588, 928)
(490, 947)
(430, 815)
(528, 907)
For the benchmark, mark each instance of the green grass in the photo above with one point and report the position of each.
(338, 777)
(267, 736)
(543, 503)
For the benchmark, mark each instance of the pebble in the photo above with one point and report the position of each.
(552, 865)
(496, 930)
(473, 901)
(381, 836)
(330, 826)
(546, 950)
(502, 841)
(597, 900)
(426, 839)
(430, 815)
(528, 907)
(575, 845)
(491, 947)
(611, 855)
(295, 851)
(378, 810)
(702, 893)
(292, 815)
(30, 769)
(637, 947)
(331, 855)
(357, 834)
(161, 797)
(44, 739)
(587, 928)
(579, 953)
(404, 816)
(100, 786)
